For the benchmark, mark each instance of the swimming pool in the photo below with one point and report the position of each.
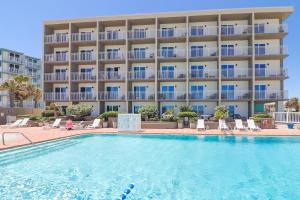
(160, 167)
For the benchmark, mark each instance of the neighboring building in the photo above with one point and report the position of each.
(14, 63)
(228, 57)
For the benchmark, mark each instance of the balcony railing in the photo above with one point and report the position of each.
(236, 73)
(141, 96)
(271, 50)
(79, 76)
(236, 51)
(236, 95)
(271, 28)
(141, 34)
(33, 65)
(114, 35)
(271, 95)
(171, 33)
(172, 96)
(83, 56)
(111, 96)
(236, 30)
(107, 75)
(204, 95)
(56, 96)
(171, 74)
(18, 60)
(270, 73)
(56, 38)
(56, 77)
(83, 96)
(176, 53)
(205, 52)
(83, 37)
(111, 56)
(140, 55)
(204, 74)
(200, 31)
(57, 57)
(141, 75)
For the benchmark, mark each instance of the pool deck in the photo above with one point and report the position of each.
(38, 134)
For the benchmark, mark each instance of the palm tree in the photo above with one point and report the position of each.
(35, 92)
(12, 87)
(22, 93)
(293, 103)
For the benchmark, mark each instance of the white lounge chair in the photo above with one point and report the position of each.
(56, 124)
(13, 125)
(239, 125)
(96, 124)
(200, 124)
(24, 122)
(79, 126)
(223, 125)
(252, 126)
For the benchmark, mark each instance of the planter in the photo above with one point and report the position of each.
(290, 126)
(105, 124)
(180, 125)
(193, 125)
(111, 121)
(158, 125)
(266, 123)
(115, 124)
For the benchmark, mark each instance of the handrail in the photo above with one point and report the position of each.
(3, 134)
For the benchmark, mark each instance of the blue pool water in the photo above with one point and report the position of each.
(161, 167)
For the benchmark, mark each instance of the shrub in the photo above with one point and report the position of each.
(186, 109)
(48, 113)
(187, 114)
(168, 116)
(148, 112)
(35, 117)
(193, 119)
(106, 115)
(221, 112)
(79, 110)
(258, 117)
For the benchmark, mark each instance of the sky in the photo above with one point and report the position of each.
(21, 22)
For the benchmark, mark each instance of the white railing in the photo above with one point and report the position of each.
(175, 53)
(111, 96)
(204, 95)
(82, 76)
(14, 59)
(271, 73)
(198, 31)
(236, 73)
(83, 56)
(111, 56)
(55, 77)
(83, 96)
(140, 75)
(56, 38)
(56, 96)
(207, 74)
(236, 51)
(57, 57)
(141, 34)
(236, 95)
(236, 30)
(271, 28)
(141, 96)
(287, 117)
(81, 37)
(171, 33)
(32, 64)
(112, 35)
(205, 52)
(271, 95)
(172, 96)
(271, 50)
(107, 75)
(139, 55)
(172, 74)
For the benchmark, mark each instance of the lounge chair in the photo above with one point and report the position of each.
(223, 125)
(239, 125)
(13, 125)
(200, 124)
(56, 124)
(78, 126)
(96, 124)
(24, 122)
(252, 126)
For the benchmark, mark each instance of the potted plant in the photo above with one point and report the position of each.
(180, 123)
(108, 116)
(193, 122)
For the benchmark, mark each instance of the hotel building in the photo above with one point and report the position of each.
(231, 57)
(14, 63)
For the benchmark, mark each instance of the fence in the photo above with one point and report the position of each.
(287, 117)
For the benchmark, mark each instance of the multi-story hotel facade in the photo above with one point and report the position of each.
(14, 63)
(201, 58)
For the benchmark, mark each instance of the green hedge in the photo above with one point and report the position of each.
(258, 117)
(79, 110)
(106, 115)
(187, 114)
(48, 113)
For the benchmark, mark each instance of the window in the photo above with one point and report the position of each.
(139, 72)
(139, 33)
(199, 109)
(260, 91)
(112, 53)
(86, 54)
(227, 50)
(167, 52)
(139, 92)
(167, 32)
(227, 71)
(167, 72)
(259, 28)
(260, 70)
(231, 110)
(164, 108)
(85, 36)
(112, 35)
(197, 91)
(227, 29)
(168, 91)
(197, 31)
(112, 92)
(197, 71)
(61, 55)
(86, 89)
(227, 91)
(139, 53)
(112, 108)
(112, 73)
(196, 51)
(136, 108)
(60, 74)
(260, 49)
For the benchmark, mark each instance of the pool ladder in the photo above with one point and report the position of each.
(3, 137)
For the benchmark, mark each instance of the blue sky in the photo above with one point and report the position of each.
(21, 21)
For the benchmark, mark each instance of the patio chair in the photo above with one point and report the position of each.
(200, 124)
(13, 125)
(252, 126)
(24, 122)
(95, 124)
(56, 124)
(222, 125)
(79, 126)
(239, 125)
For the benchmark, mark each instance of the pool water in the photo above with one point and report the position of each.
(161, 167)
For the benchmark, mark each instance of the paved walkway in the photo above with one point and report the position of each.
(38, 134)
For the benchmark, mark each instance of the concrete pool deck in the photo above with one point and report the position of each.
(38, 134)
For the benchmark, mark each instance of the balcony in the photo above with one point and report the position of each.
(36, 65)
(108, 57)
(172, 33)
(204, 54)
(270, 74)
(56, 96)
(86, 76)
(271, 52)
(111, 76)
(141, 75)
(204, 95)
(111, 96)
(83, 37)
(170, 55)
(270, 95)
(237, 52)
(141, 36)
(199, 33)
(83, 57)
(112, 37)
(211, 74)
(236, 32)
(230, 74)
(172, 75)
(13, 59)
(57, 39)
(270, 31)
(236, 95)
(83, 96)
(10, 70)
(56, 77)
(56, 58)
(172, 96)
(141, 55)
(141, 96)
